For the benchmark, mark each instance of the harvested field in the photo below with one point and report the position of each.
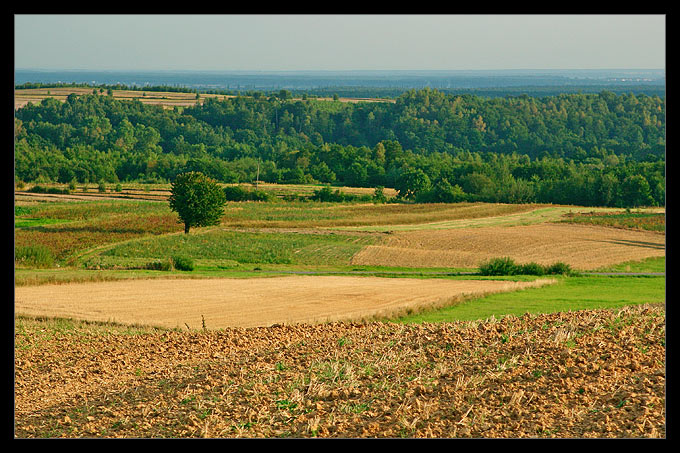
(167, 99)
(585, 374)
(253, 302)
(583, 247)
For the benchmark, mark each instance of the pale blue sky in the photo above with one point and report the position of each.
(339, 42)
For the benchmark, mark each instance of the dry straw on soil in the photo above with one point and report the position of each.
(251, 302)
(579, 374)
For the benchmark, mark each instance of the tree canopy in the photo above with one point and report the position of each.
(567, 148)
(198, 200)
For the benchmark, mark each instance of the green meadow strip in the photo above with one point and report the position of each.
(568, 294)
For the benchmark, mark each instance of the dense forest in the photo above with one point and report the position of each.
(601, 149)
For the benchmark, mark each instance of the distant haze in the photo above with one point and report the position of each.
(338, 42)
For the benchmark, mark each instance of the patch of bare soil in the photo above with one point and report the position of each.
(582, 374)
(253, 302)
(77, 196)
(583, 247)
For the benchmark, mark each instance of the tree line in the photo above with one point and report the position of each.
(598, 149)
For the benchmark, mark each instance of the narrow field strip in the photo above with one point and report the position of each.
(221, 303)
(526, 217)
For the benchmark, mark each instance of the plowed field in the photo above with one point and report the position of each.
(219, 303)
(569, 375)
(583, 247)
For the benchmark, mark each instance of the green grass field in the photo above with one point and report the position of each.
(568, 294)
(248, 247)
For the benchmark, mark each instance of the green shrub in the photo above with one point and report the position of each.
(559, 268)
(506, 266)
(531, 269)
(260, 195)
(238, 193)
(182, 263)
(499, 266)
(379, 195)
(34, 256)
(54, 190)
(328, 195)
(235, 193)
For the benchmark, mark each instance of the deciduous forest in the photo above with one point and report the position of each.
(602, 149)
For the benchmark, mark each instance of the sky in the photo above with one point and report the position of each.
(338, 42)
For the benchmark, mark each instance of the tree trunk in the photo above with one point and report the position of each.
(186, 228)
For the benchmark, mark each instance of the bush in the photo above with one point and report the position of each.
(55, 190)
(531, 269)
(499, 266)
(379, 195)
(260, 195)
(559, 268)
(34, 256)
(328, 195)
(238, 193)
(182, 263)
(235, 193)
(506, 266)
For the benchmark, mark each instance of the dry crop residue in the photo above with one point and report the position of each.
(598, 373)
(583, 247)
(253, 302)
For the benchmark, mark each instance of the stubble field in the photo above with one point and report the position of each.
(583, 247)
(254, 302)
(595, 373)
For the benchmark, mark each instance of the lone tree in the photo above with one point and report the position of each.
(197, 199)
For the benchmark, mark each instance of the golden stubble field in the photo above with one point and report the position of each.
(218, 303)
(583, 247)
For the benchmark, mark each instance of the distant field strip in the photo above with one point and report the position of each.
(528, 216)
(255, 302)
(583, 247)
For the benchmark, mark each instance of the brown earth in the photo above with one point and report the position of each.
(583, 247)
(252, 302)
(582, 374)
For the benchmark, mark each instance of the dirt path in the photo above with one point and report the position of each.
(247, 302)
